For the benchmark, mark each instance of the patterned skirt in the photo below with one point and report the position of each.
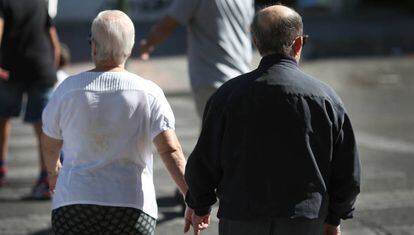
(85, 219)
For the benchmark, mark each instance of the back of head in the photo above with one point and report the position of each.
(275, 28)
(114, 35)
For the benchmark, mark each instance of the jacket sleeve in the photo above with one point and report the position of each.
(344, 185)
(203, 171)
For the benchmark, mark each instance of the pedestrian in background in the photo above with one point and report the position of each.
(29, 55)
(219, 41)
(276, 147)
(64, 61)
(104, 121)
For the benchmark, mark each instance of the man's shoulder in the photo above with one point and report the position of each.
(319, 88)
(233, 88)
(293, 81)
(238, 82)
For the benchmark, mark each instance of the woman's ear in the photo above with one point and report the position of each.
(93, 47)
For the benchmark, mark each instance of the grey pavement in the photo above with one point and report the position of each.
(378, 93)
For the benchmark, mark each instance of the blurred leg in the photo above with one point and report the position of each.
(201, 96)
(10, 106)
(5, 129)
(37, 98)
(38, 131)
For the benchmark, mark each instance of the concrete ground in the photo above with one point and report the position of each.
(377, 91)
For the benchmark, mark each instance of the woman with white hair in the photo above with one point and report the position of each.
(104, 121)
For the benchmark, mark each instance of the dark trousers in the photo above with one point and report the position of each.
(279, 226)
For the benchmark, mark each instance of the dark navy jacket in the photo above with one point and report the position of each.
(275, 143)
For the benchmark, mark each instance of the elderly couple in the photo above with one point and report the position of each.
(276, 146)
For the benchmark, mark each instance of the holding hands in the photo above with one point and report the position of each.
(331, 229)
(198, 223)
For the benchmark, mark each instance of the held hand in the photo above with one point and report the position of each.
(145, 49)
(199, 223)
(4, 74)
(331, 229)
(187, 218)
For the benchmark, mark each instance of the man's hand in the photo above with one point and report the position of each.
(199, 223)
(158, 34)
(4, 74)
(145, 49)
(331, 229)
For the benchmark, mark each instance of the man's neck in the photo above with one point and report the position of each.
(297, 57)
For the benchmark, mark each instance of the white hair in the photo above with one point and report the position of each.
(114, 35)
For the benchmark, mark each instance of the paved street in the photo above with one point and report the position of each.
(378, 93)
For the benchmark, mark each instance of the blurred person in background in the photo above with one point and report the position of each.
(104, 122)
(52, 7)
(277, 146)
(219, 41)
(64, 61)
(29, 55)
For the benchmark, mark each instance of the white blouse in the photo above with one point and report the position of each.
(107, 121)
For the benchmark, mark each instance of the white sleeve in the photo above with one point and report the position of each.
(51, 117)
(162, 116)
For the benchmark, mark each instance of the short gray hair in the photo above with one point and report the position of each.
(276, 33)
(114, 36)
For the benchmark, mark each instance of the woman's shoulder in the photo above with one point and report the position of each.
(143, 83)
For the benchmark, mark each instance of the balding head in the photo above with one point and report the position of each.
(275, 28)
(114, 35)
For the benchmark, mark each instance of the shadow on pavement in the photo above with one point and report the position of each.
(169, 216)
(169, 202)
(25, 198)
(47, 231)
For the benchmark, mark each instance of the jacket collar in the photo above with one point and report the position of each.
(270, 60)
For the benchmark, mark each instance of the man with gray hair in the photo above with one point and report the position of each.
(104, 121)
(276, 147)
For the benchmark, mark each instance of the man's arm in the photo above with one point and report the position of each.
(345, 180)
(203, 170)
(54, 39)
(51, 152)
(158, 34)
(4, 74)
(1, 29)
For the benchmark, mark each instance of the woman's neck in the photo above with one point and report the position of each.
(109, 68)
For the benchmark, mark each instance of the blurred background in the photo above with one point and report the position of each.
(337, 27)
(364, 49)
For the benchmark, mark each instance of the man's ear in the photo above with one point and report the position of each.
(297, 46)
(257, 45)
